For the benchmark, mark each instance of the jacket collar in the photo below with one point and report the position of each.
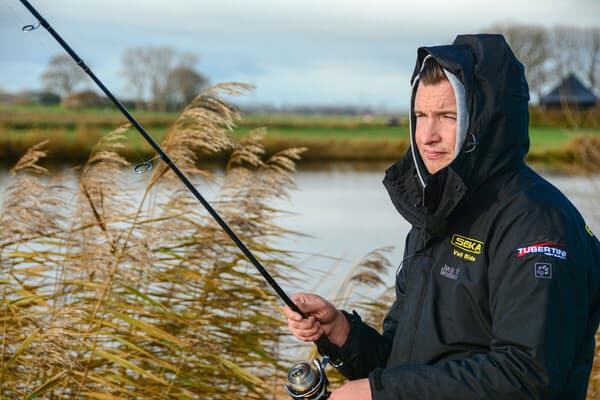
(425, 208)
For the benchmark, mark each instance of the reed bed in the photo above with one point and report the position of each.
(106, 293)
(580, 156)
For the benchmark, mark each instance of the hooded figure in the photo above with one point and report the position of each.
(498, 293)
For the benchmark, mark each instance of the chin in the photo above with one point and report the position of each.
(435, 168)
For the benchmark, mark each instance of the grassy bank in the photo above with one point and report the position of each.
(72, 133)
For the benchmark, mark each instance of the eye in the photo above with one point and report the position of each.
(450, 117)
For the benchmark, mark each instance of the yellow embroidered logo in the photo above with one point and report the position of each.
(589, 231)
(467, 244)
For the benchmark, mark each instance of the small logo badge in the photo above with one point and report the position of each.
(543, 270)
(467, 244)
(450, 272)
(589, 231)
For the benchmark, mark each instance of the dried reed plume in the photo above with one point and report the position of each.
(112, 292)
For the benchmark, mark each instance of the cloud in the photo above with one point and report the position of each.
(333, 82)
(326, 49)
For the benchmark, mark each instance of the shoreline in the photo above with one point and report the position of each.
(579, 156)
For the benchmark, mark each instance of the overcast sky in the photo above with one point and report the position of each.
(327, 52)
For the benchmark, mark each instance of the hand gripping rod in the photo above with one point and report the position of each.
(322, 341)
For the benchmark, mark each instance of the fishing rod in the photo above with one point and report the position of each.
(306, 381)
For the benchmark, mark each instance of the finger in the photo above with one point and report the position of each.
(309, 303)
(310, 334)
(305, 298)
(292, 315)
(304, 324)
(314, 337)
(311, 338)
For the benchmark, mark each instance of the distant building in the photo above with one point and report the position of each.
(569, 92)
(7, 98)
(29, 97)
(85, 99)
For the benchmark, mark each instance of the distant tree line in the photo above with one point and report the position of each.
(162, 78)
(550, 54)
(159, 78)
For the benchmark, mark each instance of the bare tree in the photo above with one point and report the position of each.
(566, 45)
(136, 72)
(62, 75)
(183, 84)
(591, 57)
(150, 73)
(531, 45)
(577, 50)
(160, 63)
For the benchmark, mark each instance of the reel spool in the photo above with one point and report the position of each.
(308, 382)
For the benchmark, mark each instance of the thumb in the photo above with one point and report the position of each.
(309, 303)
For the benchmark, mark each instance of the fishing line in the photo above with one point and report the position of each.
(28, 27)
(322, 342)
(162, 154)
(18, 17)
(44, 43)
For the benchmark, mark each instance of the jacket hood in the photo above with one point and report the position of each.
(497, 137)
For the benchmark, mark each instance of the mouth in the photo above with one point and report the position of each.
(434, 155)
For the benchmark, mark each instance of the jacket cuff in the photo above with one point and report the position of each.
(353, 320)
(334, 352)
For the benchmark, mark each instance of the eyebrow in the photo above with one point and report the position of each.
(441, 112)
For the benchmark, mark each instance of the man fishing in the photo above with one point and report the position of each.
(498, 294)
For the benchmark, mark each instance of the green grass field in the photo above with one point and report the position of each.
(545, 138)
(72, 133)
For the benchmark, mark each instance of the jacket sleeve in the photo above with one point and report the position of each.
(541, 305)
(366, 349)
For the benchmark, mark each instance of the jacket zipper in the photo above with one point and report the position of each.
(419, 309)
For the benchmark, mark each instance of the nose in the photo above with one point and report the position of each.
(428, 130)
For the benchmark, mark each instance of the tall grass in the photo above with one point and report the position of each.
(107, 293)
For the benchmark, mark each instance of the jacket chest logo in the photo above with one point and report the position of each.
(465, 247)
(449, 272)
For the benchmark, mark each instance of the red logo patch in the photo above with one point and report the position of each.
(546, 248)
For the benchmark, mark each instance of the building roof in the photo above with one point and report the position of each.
(570, 91)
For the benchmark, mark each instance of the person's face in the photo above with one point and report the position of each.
(435, 131)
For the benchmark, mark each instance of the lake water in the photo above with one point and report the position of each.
(346, 213)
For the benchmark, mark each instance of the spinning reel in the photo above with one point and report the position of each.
(308, 382)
